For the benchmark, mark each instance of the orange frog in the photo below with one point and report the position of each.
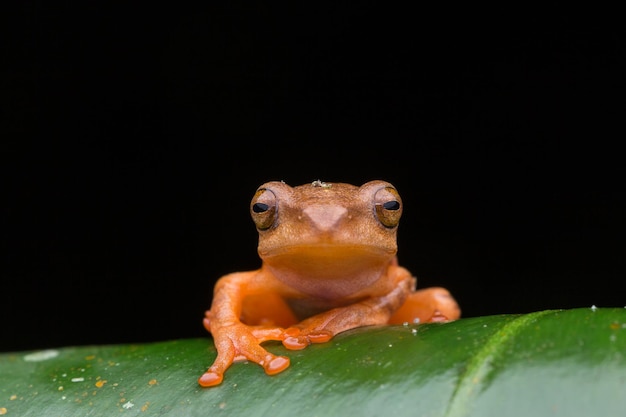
(329, 265)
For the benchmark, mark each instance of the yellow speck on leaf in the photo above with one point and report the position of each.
(90, 357)
(13, 397)
(3, 411)
(152, 382)
(101, 383)
(145, 406)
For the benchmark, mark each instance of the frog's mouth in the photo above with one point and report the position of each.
(328, 271)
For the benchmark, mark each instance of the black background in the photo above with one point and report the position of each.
(134, 137)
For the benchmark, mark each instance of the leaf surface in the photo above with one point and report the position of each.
(548, 363)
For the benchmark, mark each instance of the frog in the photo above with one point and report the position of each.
(329, 264)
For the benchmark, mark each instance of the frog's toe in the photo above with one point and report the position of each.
(207, 324)
(438, 317)
(210, 379)
(320, 337)
(276, 365)
(293, 340)
(263, 334)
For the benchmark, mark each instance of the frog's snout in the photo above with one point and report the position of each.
(325, 217)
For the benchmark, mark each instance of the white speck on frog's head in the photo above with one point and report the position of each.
(42, 355)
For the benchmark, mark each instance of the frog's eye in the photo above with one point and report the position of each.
(263, 209)
(388, 206)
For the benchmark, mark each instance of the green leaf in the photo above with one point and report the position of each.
(549, 363)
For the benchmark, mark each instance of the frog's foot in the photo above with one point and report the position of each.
(215, 374)
(428, 305)
(240, 342)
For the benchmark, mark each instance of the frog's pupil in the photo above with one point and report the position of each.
(391, 205)
(260, 207)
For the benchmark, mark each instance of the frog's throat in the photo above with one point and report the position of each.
(331, 273)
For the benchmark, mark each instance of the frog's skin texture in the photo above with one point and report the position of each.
(329, 264)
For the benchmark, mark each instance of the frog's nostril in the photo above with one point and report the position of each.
(325, 217)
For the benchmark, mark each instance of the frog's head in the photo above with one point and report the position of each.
(319, 235)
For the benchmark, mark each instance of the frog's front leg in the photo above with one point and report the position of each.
(233, 339)
(373, 311)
